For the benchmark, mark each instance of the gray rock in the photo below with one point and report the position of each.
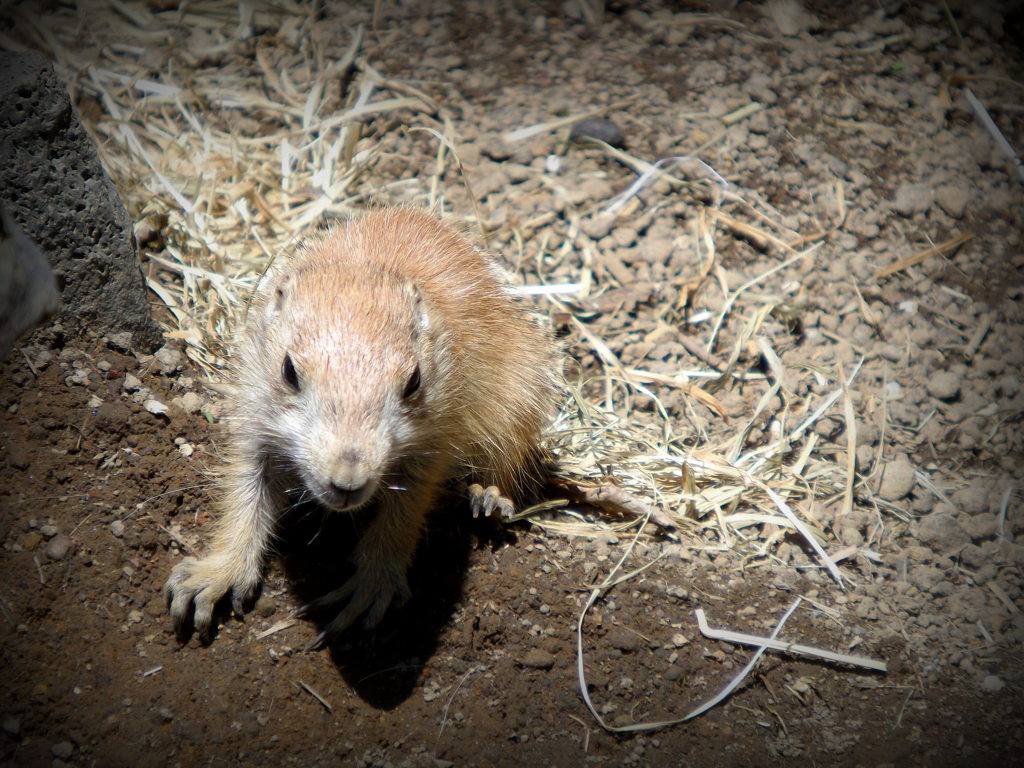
(992, 684)
(941, 531)
(59, 547)
(28, 288)
(53, 185)
(168, 360)
(790, 17)
(952, 198)
(11, 725)
(897, 479)
(973, 499)
(914, 198)
(944, 385)
(981, 527)
(924, 577)
(17, 457)
(599, 128)
(624, 640)
(120, 342)
(538, 658)
(63, 750)
(117, 528)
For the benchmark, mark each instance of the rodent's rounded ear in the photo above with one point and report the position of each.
(421, 318)
(279, 295)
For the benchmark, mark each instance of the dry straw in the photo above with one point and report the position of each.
(232, 145)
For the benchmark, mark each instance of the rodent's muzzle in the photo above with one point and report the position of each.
(342, 497)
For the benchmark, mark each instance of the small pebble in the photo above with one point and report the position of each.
(943, 385)
(117, 528)
(914, 198)
(600, 128)
(59, 547)
(897, 479)
(62, 750)
(121, 342)
(624, 640)
(953, 199)
(155, 407)
(992, 684)
(538, 658)
(17, 457)
(168, 360)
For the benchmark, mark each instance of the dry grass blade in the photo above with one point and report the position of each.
(925, 253)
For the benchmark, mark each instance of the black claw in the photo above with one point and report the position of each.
(318, 642)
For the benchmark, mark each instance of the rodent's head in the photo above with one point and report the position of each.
(350, 358)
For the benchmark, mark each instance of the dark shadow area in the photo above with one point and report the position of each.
(383, 665)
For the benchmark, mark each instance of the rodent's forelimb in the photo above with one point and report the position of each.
(235, 560)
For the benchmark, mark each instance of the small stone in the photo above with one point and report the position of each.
(952, 199)
(941, 531)
(192, 402)
(49, 530)
(59, 547)
(981, 527)
(790, 17)
(186, 449)
(17, 457)
(131, 383)
(897, 479)
(597, 226)
(29, 541)
(117, 528)
(120, 342)
(944, 385)
(538, 658)
(80, 378)
(168, 360)
(973, 499)
(62, 750)
(264, 607)
(624, 640)
(914, 198)
(992, 684)
(600, 128)
(155, 407)
(924, 577)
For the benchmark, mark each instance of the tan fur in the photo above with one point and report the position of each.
(359, 310)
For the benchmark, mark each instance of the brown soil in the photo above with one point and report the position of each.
(99, 496)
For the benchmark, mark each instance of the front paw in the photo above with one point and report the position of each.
(485, 501)
(372, 590)
(194, 589)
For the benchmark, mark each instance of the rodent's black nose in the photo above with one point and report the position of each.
(346, 497)
(344, 490)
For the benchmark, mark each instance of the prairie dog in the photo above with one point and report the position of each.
(381, 360)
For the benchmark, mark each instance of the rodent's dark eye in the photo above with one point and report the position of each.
(413, 384)
(289, 374)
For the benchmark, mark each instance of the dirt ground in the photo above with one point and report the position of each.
(861, 133)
